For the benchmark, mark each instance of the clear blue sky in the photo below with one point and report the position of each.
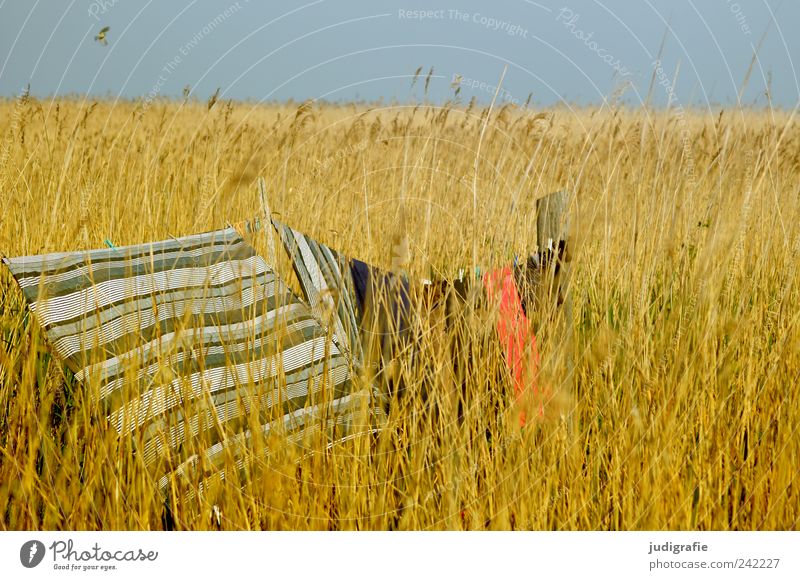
(578, 51)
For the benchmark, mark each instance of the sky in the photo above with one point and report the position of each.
(567, 51)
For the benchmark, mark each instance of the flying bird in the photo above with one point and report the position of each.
(456, 84)
(101, 36)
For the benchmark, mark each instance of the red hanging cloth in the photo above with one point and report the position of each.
(516, 336)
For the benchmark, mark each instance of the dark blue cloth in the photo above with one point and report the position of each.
(389, 291)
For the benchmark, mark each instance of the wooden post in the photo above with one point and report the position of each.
(552, 234)
(267, 227)
(552, 220)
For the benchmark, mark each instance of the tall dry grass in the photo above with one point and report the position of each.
(674, 406)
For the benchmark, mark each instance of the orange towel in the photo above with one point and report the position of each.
(518, 340)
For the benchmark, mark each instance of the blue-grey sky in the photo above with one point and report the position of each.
(577, 51)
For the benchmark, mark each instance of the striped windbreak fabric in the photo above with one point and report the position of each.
(325, 279)
(367, 308)
(180, 341)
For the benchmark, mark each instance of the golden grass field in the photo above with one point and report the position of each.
(673, 398)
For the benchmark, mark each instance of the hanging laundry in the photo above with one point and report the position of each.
(513, 330)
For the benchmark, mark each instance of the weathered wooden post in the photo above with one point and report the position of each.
(552, 236)
(546, 286)
(552, 288)
(552, 219)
